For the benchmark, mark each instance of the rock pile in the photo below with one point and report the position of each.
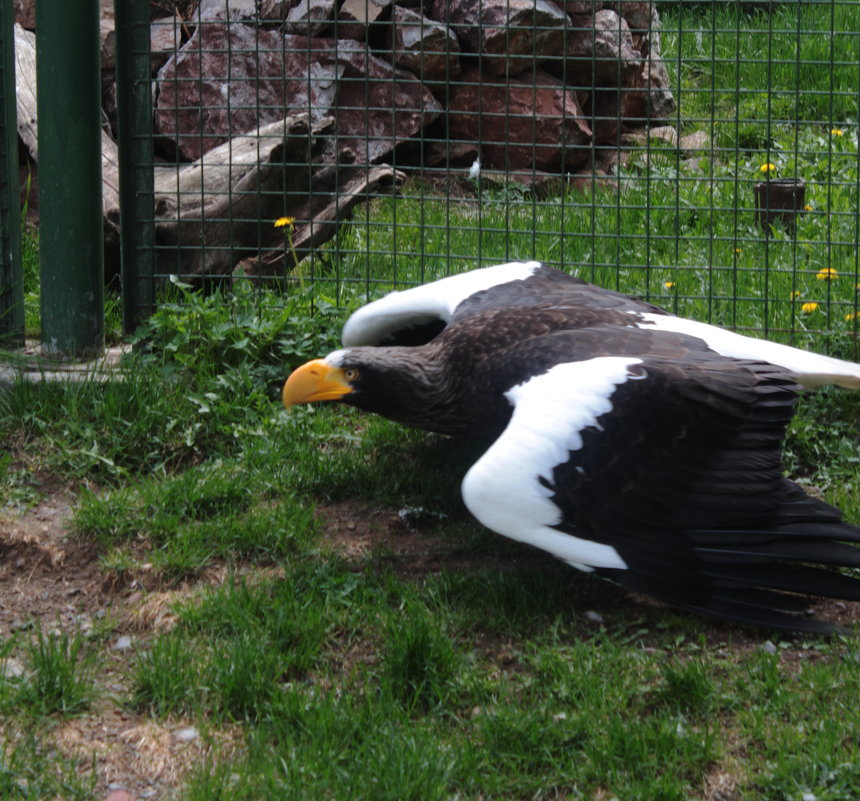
(522, 84)
(298, 108)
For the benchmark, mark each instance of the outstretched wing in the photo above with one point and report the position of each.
(416, 316)
(666, 477)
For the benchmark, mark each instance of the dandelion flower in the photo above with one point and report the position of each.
(836, 132)
(807, 207)
(808, 308)
(284, 221)
(669, 284)
(850, 316)
(795, 295)
(826, 274)
(739, 250)
(766, 168)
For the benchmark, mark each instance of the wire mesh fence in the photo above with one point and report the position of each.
(702, 155)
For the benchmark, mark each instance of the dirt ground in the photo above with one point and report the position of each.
(48, 576)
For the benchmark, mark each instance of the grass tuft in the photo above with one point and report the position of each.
(60, 677)
(687, 687)
(419, 660)
(166, 676)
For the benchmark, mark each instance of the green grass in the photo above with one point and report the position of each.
(29, 771)
(443, 662)
(58, 678)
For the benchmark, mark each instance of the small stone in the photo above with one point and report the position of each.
(11, 668)
(559, 716)
(698, 140)
(186, 735)
(809, 797)
(123, 643)
(664, 133)
(594, 617)
(119, 795)
(769, 647)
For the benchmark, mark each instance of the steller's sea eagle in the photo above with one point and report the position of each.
(621, 439)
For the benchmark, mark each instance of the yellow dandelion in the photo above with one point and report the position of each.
(808, 308)
(856, 286)
(836, 132)
(850, 316)
(807, 207)
(766, 168)
(739, 250)
(826, 274)
(795, 295)
(669, 284)
(284, 221)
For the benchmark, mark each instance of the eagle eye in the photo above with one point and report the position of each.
(350, 373)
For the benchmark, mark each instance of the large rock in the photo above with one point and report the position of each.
(355, 17)
(241, 9)
(647, 97)
(426, 48)
(310, 17)
(584, 6)
(640, 15)
(378, 106)
(521, 124)
(229, 79)
(600, 51)
(25, 14)
(508, 35)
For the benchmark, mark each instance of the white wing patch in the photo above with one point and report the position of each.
(422, 304)
(502, 489)
(808, 369)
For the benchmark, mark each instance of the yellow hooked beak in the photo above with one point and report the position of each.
(315, 381)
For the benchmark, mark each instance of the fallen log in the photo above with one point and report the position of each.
(28, 126)
(336, 190)
(214, 212)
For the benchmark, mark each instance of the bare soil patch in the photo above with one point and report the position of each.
(45, 575)
(51, 579)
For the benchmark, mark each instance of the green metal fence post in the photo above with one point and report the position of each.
(71, 250)
(11, 270)
(134, 140)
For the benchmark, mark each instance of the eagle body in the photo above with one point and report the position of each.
(617, 444)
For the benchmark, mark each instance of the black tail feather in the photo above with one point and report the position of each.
(766, 618)
(821, 552)
(792, 578)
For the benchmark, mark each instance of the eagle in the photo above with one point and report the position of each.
(624, 440)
